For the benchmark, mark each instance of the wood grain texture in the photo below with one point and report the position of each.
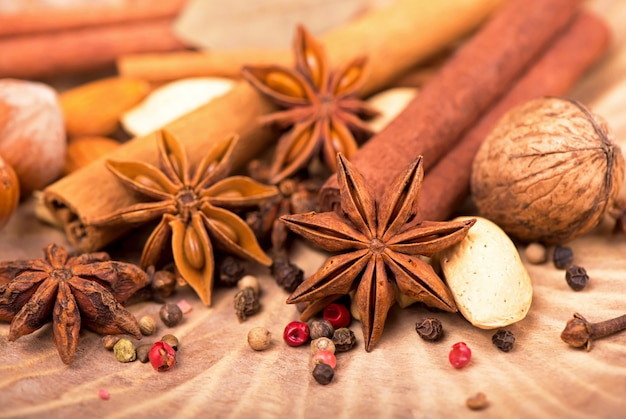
(218, 375)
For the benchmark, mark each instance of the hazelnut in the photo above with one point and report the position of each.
(9, 192)
(32, 134)
(548, 172)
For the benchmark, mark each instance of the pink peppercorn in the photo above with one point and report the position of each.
(460, 355)
(296, 333)
(337, 314)
(103, 394)
(325, 357)
(162, 356)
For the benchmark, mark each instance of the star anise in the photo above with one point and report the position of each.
(323, 110)
(380, 244)
(193, 207)
(88, 289)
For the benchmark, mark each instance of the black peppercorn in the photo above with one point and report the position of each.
(246, 303)
(323, 373)
(504, 340)
(576, 277)
(563, 257)
(170, 314)
(321, 329)
(429, 329)
(287, 275)
(344, 339)
(229, 270)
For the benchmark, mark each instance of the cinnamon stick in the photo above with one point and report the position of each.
(83, 49)
(447, 184)
(47, 19)
(481, 71)
(75, 201)
(422, 27)
(93, 191)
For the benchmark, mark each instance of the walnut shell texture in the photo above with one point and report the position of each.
(548, 171)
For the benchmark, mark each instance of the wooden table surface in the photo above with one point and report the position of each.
(219, 375)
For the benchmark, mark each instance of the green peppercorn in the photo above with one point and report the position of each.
(124, 350)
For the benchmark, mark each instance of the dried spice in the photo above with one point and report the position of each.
(246, 303)
(562, 257)
(194, 210)
(124, 350)
(162, 283)
(259, 338)
(171, 340)
(477, 402)
(230, 269)
(147, 325)
(381, 249)
(321, 329)
(576, 277)
(170, 314)
(503, 339)
(323, 110)
(287, 275)
(344, 339)
(323, 373)
(580, 333)
(70, 291)
(429, 329)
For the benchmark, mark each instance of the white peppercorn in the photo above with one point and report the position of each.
(322, 344)
(147, 325)
(249, 281)
(536, 253)
(259, 338)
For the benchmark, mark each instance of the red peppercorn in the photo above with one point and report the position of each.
(460, 355)
(338, 315)
(326, 357)
(162, 356)
(296, 333)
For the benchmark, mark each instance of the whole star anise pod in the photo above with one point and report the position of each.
(70, 291)
(193, 207)
(322, 108)
(379, 247)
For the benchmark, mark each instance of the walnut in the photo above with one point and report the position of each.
(548, 171)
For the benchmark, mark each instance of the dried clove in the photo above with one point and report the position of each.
(580, 333)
